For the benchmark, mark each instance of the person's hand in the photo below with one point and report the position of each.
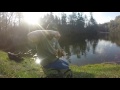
(60, 52)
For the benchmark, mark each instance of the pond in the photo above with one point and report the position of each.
(92, 52)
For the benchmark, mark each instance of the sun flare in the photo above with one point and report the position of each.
(32, 17)
(37, 60)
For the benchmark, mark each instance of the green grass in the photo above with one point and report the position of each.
(104, 70)
(25, 69)
(29, 69)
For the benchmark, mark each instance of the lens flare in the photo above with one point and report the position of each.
(37, 60)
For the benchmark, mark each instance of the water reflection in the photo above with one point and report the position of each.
(92, 51)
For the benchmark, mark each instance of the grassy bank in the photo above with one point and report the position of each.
(104, 70)
(29, 69)
(25, 69)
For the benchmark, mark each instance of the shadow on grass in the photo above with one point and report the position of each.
(82, 75)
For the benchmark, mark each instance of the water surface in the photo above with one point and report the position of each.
(92, 52)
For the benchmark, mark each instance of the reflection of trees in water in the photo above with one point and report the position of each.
(104, 36)
(91, 43)
(78, 51)
(115, 38)
(77, 48)
(67, 49)
(94, 45)
(81, 47)
(88, 45)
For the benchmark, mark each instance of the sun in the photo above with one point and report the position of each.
(32, 17)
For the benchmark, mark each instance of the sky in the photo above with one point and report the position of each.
(100, 17)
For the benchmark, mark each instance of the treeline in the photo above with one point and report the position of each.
(113, 27)
(14, 30)
(74, 27)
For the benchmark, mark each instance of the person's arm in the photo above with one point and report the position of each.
(58, 45)
(59, 50)
(35, 36)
